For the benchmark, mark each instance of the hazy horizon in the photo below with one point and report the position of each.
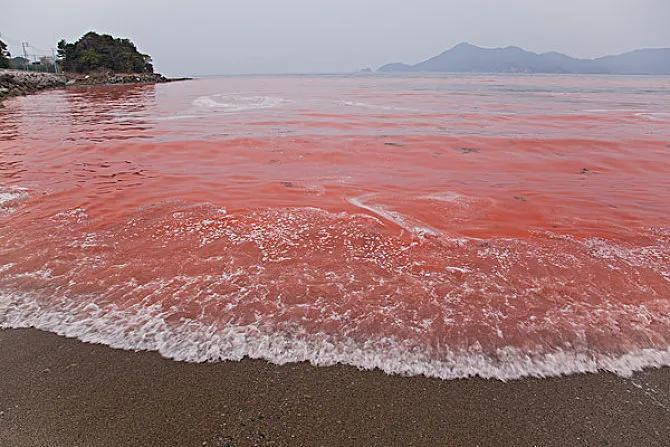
(298, 36)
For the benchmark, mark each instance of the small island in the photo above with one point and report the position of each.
(92, 60)
(95, 51)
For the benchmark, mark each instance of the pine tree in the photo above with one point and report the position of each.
(101, 51)
(4, 55)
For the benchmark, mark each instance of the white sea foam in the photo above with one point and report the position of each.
(75, 215)
(640, 113)
(234, 103)
(458, 269)
(612, 110)
(653, 115)
(146, 328)
(377, 106)
(448, 196)
(10, 196)
(5, 267)
(393, 217)
(174, 117)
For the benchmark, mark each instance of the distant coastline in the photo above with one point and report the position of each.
(468, 58)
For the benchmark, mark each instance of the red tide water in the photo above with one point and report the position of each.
(500, 226)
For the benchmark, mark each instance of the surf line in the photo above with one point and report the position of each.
(393, 216)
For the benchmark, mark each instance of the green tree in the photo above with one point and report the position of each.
(4, 55)
(101, 51)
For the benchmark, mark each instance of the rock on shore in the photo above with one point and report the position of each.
(106, 77)
(16, 83)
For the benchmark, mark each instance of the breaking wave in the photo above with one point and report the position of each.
(147, 329)
(394, 217)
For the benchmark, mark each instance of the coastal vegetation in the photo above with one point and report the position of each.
(4, 55)
(94, 59)
(96, 52)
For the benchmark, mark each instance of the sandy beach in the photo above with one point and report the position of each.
(62, 392)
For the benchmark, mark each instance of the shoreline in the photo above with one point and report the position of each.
(21, 83)
(59, 391)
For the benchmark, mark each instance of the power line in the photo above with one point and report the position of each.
(32, 53)
(41, 50)
(35, 52)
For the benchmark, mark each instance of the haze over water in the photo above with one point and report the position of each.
(499, 226)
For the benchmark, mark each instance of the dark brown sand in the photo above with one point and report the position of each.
(61, 392)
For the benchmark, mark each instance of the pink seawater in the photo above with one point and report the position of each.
(500, 226)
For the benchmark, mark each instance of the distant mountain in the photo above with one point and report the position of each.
(468, 58)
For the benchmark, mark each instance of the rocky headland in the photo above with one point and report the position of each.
(18, 83)
(108, 77)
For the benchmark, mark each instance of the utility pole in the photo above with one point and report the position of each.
(53, 53)
(24, 46)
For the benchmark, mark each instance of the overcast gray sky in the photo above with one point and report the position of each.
(310, 36)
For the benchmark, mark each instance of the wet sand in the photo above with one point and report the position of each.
(61, 392)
